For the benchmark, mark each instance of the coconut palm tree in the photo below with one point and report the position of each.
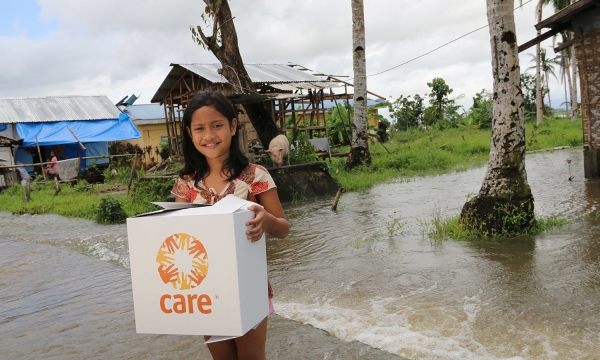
(547, 68)
(539, 100)
(559, 5)
(565, 74)
(359, 150)
(504, 189)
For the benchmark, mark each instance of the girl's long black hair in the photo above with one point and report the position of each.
(194, 161)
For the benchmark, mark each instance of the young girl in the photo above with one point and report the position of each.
(214, 168)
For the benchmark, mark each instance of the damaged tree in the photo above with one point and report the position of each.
(223, 43)
(504, 205)
(359, 151)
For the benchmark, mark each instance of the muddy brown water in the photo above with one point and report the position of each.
(345, 288)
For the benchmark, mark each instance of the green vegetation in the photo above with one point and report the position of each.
(110, 211)
(416, 152)
(439, 229)
(419, 152)
(88, 201)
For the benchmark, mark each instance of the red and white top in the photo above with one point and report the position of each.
(253, 180)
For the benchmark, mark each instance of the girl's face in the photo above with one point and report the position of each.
(211, 132)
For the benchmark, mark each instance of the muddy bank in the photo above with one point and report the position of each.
(303, 182)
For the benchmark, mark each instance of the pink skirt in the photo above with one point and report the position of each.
(271, 308)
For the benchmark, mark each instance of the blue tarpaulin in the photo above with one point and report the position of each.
(56, 133)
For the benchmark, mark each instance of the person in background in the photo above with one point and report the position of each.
(25, 180)
(52, 171)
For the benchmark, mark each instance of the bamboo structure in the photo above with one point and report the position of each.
(294, 104)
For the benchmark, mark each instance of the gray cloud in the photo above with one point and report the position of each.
(118, 48)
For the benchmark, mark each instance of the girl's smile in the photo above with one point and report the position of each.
(211, 133)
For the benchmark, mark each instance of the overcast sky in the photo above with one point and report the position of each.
(118, 48)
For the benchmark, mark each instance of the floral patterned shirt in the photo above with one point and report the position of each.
(253, 180)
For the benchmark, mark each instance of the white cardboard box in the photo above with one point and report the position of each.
(219, 286)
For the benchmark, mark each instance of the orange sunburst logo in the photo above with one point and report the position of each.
(182, 261)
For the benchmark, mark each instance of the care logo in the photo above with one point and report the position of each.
(182, 261)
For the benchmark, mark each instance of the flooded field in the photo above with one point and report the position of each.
(344, 286)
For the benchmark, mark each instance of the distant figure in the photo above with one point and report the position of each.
(52, 171)
(25, 180)
(381, 131)
(52, 168)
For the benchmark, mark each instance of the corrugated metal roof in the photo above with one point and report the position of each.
(145, 112)
(259, 73)
(57, 108)
(277, 75)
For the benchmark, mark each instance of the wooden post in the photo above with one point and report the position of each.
(28, 189)
(133, 166)
(337, 198)
(40, 155)
(76, 138)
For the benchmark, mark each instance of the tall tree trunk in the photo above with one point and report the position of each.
(574, 105)
(228, 54)
(548, 86)
(564, 80)
(567, 72)
(504, 190)
(359, 152)
(539, 99)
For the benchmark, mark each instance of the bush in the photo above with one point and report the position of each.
(164, 150)
(110, 211)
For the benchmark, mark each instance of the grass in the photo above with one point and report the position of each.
(82, 199)
(439, 228)
(73, 201)
(433, 152)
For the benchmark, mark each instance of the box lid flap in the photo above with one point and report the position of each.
(228, 205)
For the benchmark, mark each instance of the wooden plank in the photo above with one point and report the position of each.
(76, 138)
(565, 14)
(544, 36)
(347, 83)
(564, 45)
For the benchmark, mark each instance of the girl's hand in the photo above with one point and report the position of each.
(261, 222)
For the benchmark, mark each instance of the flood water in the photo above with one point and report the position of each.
(65, 287)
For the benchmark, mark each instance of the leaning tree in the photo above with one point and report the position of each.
(223, 43)
(504, 204)
(359, 149)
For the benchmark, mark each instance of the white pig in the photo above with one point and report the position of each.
(279, 148)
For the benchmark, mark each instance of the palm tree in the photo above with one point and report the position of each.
(565, 74)
(359, 150)
(504, 189)
(539, 100)
(559, 5)
(547, 68)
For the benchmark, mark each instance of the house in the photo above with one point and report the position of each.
(149, 119)
(294, 94)
(71, 126)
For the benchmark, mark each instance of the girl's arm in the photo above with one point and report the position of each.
(269, 218)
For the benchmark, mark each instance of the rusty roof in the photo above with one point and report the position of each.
(259, 74)
(57, 108)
